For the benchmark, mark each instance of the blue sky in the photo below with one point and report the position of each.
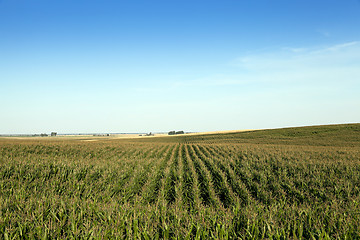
(140, 66)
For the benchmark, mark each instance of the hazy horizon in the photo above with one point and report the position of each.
(162, 132)
(140, 66)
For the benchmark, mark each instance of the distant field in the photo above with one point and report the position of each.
(295, 183)
(96, 137)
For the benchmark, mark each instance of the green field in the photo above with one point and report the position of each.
(295, 183)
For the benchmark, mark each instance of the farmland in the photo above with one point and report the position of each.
(295, 183)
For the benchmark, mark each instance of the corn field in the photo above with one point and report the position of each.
(299, 183)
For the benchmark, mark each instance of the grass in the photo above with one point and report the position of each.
(295, 183)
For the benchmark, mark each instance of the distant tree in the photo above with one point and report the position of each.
(180, 132)
(171, 133)
(53, 134)
(43, 135)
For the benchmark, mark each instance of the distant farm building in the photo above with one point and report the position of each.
(175, 133)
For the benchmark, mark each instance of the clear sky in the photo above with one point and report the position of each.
(193, 65)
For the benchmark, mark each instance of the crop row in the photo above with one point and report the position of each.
(175, 190)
